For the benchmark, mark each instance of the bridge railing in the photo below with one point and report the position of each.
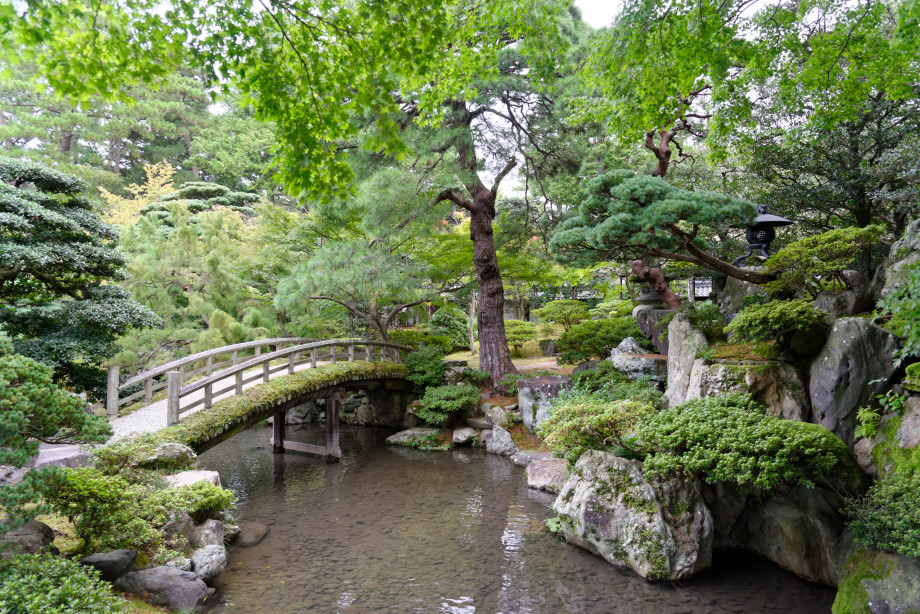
(265, 365)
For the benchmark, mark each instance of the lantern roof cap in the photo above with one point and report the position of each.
(767, 219)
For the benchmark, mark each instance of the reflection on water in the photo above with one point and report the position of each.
(397, 530)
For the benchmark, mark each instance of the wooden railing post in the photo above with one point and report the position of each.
(291, 363)
(351, 352)
(208, 396)
(173, 384)
(367, 351)
(111, 392)
(148, 390)
(234, 357)
(313, 358)
(265, 371)
(209, 365)
(333, 353)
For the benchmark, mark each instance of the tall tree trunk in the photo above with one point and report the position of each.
(471, 328)
(494, 355)
(116, 156)
(65, 143)
(188, 152)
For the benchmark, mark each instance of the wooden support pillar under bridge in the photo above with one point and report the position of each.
(331, 451)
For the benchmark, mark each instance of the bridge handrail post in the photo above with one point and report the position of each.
(208, 396)
(111, 391)
(367, 351)
(333, 353)
(291, 363)
(148, 390)
(351, 352)
(208, 366)
(266, 375)
(173, 384)
(313, 358)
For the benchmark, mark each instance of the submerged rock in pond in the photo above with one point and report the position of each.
(208, 562)
(251, 533)
(111, 565)
(498, 441)
(166, 586)
(407, 436)
(547, 474)
(661, 529)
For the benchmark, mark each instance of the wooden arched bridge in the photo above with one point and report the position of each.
(215, 394)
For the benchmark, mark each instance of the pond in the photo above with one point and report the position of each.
(398, 530)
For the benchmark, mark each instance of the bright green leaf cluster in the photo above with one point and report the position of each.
(42, 583)
(758, 323)
(519, 332)
(888, 516)
(596, 338)
(443, 404)
(567, 312)
(426, 368)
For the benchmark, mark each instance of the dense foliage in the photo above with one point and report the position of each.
(426, 368)
(608, 384)
(442, 405)
(55, 255)
(903, 303)
(731, 438)
(762, 322)
(450, 322)
(567, 312)
(42, 583)
(818, 262)
(415, 339)
(581, 422)
(596, 338)
(198, 196)
(888, 516)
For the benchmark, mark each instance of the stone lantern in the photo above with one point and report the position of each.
(761, 233)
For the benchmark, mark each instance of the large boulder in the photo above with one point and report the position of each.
(637, 363)
(684, 342)
(498, 441)
(908, 434)
(904, 252)
(209, 533)
(111, 565)
(845, 303)
(522, 459)
(649, 320)
(735, 291)
(178, 531)
(659, 528)
(166, 586)
(879, 582)
(857, 353)
(547, 474)
(535, 395)
(208, 562)
(453, 371)
(463, 435)
(31, 538)
(799, 529)
(777, 385)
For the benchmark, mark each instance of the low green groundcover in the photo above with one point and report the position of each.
(43, 583)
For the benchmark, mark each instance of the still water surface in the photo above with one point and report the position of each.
(392, 530)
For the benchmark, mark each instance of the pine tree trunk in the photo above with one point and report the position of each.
(494, 355)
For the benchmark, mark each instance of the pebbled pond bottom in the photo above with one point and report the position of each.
(393, 530)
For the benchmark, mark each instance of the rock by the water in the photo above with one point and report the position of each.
(182, 563)
(166, 586)
(404, 437)
(173, 456)
(661, 529)
(463, 435)
(800, 530)
(776, 384)
(111, 565)
(684, 342)
(209, 533)
(857, 352)
(879, 582)
(636, 363)
(187, 478)
(547, 474)
(251, 533)
(845, 303)
(208, 562)
(522, 459)
(31, 538)
(178, 531)
(231, 532)
(535, 395)
(479, 423)
(494, 414)
(499, 441)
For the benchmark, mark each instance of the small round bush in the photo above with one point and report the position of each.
(731, 438)
(451, 323)
(43, 583)
(581, 422)
(773, 320)
(596, 338)
(567, 312)
(426, 368)
(443, 404)
(519, 332)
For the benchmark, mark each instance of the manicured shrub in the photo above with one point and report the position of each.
(580, 422)
(567, 312)
(130, 458)
(443, 404)
(612, 385)
(518, 333)
(105, 510)
(43, 583)
(595, 338)
(706, 317)
(773, 320)
(473, 377)
(451, 323)
(806, 266)
(613, 308)
(201, 500)
(426, 368)
(903, 303)
(731, 438)
(888, 516)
